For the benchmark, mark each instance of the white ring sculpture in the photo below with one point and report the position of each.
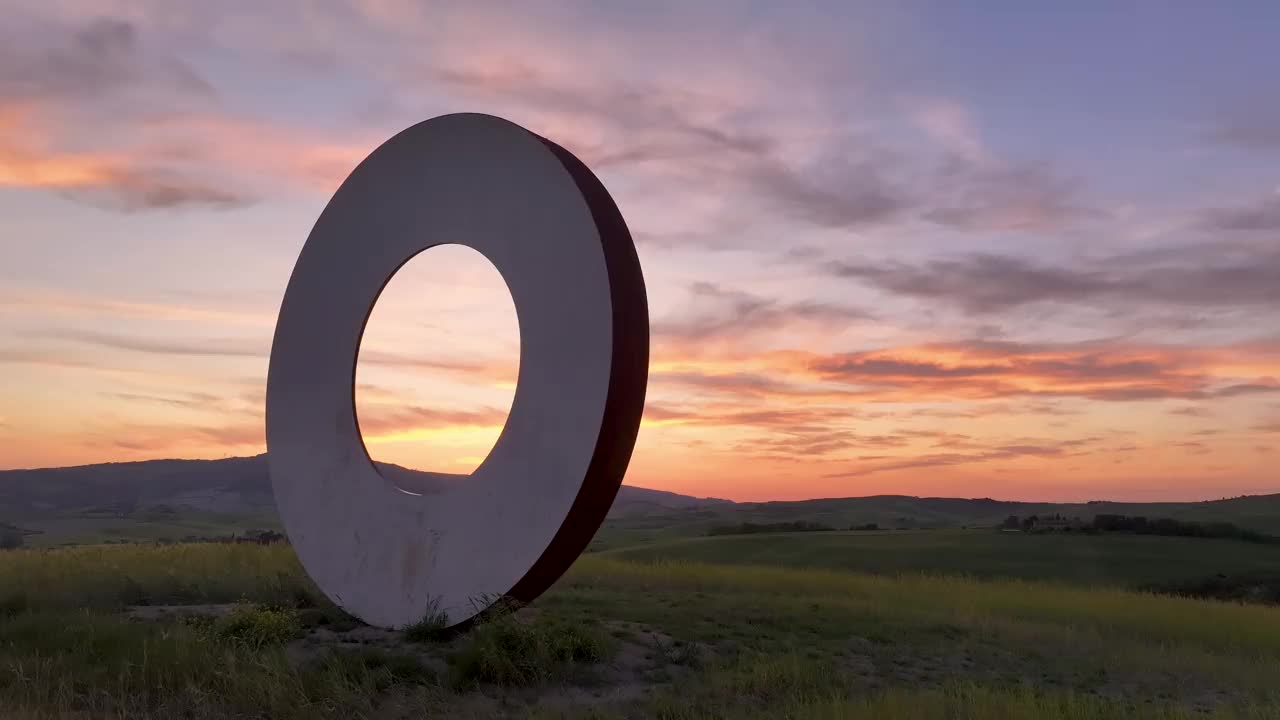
(550, 228)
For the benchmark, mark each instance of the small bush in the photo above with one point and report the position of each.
(508, 652)
(257, 627)
(202, 625)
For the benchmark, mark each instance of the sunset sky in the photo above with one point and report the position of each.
(931, 248)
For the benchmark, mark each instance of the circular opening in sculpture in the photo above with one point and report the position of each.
(436, 369)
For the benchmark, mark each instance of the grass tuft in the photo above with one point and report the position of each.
(374, 671)
(257, 627)
(677, 652)
(433, 627)
(508, 652)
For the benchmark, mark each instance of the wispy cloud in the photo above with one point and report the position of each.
(1008, 452)
(1112, 371)
(996, 196)
(1249, 128)
(382, 421)
(215, 347)
(110, 179)
(719, 312)
(102, 56)
(1260, 215)
(152, 439)
(969, 186)
(226, 405)
(35, 301)
(96, 72)
(260, 348)
(984, 283)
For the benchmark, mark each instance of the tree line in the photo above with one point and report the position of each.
(1135, 525)
(12, 538)
(750, 528)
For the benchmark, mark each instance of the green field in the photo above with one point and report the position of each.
(1099, 560)
(99, 632)
(1256, 512)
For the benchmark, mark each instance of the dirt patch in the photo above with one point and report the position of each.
(317, 642)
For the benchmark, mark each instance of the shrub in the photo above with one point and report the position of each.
(257, 627)
(508, 652)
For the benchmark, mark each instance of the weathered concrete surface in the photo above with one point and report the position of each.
(551, 230)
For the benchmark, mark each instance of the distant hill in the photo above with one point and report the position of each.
(228, 486)
(175, 498)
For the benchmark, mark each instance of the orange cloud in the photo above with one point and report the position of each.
(172, 160)
(1100, 371)
(378, 422)
(119, 178)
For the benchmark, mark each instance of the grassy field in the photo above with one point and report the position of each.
(50, 509)
(1100, 560)
(222, 631)
(85, 528)
(1257, 512)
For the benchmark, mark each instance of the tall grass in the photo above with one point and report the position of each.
(508, 652)
(1249, 631)
(777, 641)
(959, 701)
(114, 576)
(76, 661)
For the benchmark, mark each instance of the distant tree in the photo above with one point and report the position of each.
(748, 528)
(266, 537)
(1108, 523)
(1012, 522)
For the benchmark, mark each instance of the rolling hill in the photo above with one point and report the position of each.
(230, 485)
(902, 512)
(180, 497)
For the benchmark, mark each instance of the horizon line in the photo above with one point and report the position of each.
(1258, 493)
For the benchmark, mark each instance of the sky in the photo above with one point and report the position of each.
(984, 249)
